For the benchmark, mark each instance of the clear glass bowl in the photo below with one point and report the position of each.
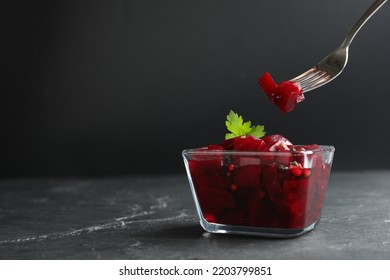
(275, 194)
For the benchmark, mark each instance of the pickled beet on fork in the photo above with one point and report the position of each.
(332, 65)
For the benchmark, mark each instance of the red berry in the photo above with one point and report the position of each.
(306, 172)
(296, 171)
(209, 217)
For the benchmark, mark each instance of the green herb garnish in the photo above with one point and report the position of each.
(237, 127)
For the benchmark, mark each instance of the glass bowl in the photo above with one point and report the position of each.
(273, 194)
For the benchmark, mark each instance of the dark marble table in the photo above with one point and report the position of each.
(155, 218)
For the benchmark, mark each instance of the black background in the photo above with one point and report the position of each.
(105, 88)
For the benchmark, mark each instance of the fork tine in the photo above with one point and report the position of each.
(304, 75)
(311, 77)
(319, 75)
(324, 78)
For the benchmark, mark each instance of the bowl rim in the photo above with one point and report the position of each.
(205, 151)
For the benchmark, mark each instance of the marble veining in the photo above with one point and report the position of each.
(112, 225)
(160, 203)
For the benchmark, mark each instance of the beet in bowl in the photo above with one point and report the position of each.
(259, 185)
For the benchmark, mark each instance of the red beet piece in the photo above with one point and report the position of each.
(307, 160)
(248, 176)
(215, 148)
(207, 174)
(232, 217)
(244, 143)
(268, 85)
(311, 147)
(288, 94)
(271, 180)
(284, 94)
(297, 207)
(210, 164)
(214, 200)
(263, 214)
(276, 143)
(295, 188)
(204, 155)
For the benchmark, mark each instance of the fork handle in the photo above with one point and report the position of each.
(365, 17)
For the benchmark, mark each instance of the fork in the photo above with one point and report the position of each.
(332, 65)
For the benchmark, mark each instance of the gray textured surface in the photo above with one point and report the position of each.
(155, 218)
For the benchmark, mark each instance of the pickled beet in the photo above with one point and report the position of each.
(284, 94)
(250, 190)
(277, 143)
(268, 84)
(244, 143)
(247, 176)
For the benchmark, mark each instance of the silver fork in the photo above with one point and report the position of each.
(332, 65)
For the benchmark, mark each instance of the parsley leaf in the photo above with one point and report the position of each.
(257, 131)
(237, 127)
